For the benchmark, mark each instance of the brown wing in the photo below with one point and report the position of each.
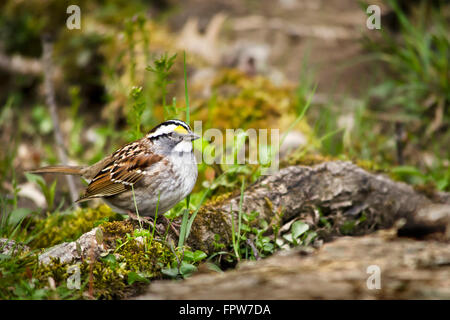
(119, 174)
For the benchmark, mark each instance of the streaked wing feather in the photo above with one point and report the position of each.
(125, 176)
(102, 186)
(119, 175)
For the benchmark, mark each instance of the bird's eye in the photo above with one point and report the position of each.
(173, 135)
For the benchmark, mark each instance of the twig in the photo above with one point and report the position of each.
(399, 141)
(19, 64)
(254, 249)
(47, 46)
(91, 270)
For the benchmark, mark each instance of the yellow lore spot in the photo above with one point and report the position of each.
(181, 129)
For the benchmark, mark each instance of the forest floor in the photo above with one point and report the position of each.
(359, 208)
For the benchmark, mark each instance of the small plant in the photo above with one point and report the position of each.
(299, 234)
(135, 115)
(187, 266)
(417, 57)
(49, 192)
(236, 234)
(439, 177)
(76, 131)
(161, 69)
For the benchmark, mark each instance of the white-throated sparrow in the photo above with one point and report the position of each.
(161, 166)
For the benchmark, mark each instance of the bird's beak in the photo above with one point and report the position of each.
(191, 137)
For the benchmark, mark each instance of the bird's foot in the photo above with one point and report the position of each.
(146, 220)
(173, 225)
(165, 222)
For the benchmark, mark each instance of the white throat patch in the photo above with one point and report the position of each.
(183, 146)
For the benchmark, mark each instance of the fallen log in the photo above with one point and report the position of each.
(341, 190)
(375, 266)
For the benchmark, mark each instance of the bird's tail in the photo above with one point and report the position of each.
(73, 170)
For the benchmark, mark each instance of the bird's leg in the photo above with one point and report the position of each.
(147, 220)
(172, 225)
(150, 221)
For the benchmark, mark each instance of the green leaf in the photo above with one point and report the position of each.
(183, 229)
(188, 256)
(213, 267)
(171, 272)
(4, 256)
(199, 255)
(310, 237)
(132, 277)
(99, 235)
(288, 238)
(34, 178)
(347, 227)
(111, 260)
(298, 228)
(187, 269)
(50, 195)
(408, 170)
(18, 215)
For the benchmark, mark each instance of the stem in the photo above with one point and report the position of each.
(182, 237)
(191, 219)
(186, 89)
(240, 212)
(135, 206)
(156, 217)
(233, 235)
(47, 46)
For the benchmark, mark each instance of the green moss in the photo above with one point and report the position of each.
(109, 276)
(107, 283)
(269, 204)
(312, 159)
(217, 199)
(242, 101)
(305, 160)
(59, 227)
(428, 189)
(132, 259)
(115, 230)
(211, 219)
(368, 165)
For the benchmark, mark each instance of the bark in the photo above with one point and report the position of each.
(19, 64)
(408, 269)
(340, 190)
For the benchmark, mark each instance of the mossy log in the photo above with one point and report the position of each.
(341, 191)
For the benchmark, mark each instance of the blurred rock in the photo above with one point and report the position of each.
(250, 58)
(204, 44)
(293, 140)
(9, 247)
(30, 191)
